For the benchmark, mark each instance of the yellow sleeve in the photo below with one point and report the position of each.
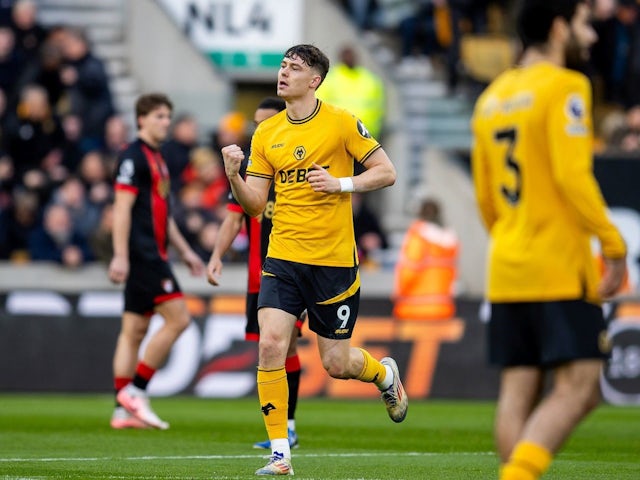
(359, 142)
(481, 179)
(258, 165)
(571, 147)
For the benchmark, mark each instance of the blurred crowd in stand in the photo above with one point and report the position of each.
(60, 133)
(616, 74)
(59, 140)
(431, 34)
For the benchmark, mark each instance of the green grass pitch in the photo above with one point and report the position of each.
(68, 437)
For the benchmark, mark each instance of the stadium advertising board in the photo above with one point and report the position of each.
(240, 35)
(56, 342)
(620, 379)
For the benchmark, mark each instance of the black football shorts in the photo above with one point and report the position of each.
(546, 334)
(149, 284)
(331, 295)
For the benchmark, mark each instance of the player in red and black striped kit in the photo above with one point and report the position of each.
(258, 229)
(142, 231)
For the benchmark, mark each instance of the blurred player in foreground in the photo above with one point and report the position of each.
(259, 229)
(532, 168)
(307, 153)
(142, 230)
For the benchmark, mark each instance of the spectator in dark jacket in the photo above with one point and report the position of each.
(16, 224)
(56, 241)
(177, 150)
(370, 237)
(29, 33)
(33, 136)
(44, 70)
(87, 86)
(11, 61)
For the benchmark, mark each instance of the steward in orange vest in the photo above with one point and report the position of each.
(426, 269)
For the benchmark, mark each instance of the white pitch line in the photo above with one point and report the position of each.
(222, 457)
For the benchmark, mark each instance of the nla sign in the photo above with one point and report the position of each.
(240, 34)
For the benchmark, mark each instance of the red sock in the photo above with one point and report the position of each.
(118, 384)
(292, 364)
(143, 375)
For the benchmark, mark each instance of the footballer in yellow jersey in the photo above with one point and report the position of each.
(532, 168)
(307, 152)
(311, 227)
(538, 198)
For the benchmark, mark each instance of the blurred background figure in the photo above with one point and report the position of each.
(232, 128)
(176, 151)
(100, 239)
(206, 171)
(18, 219)
(418, 42)
(29, 33)
(616, 54)
(426, 270)
(353, 87)
(362, 12)
(56, 241)
(11, 61)
(6, 179)
(87, 84)
(116, 137)
(44, 70)
(93, 173)
(33, 138)
(196, 222)
(620, 131)
(465, 16)
(85, 215)
(371, 240)
(72, 149)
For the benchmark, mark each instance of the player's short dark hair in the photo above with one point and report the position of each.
(150, 101)
(272, 103)
(312, 56)
(535, 18)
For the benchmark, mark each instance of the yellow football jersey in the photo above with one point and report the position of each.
(532, 170)
(310, 227)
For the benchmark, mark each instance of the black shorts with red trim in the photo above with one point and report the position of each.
(546, 334)
(149, 284)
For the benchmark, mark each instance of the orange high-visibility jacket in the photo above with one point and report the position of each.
(425, 273)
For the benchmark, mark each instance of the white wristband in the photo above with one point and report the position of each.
(346, 184)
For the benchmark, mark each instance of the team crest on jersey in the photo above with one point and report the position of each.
(163, 188)
(299, 152)
(576, 112)
(126, 172)
(363, 130)
(167, 285)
